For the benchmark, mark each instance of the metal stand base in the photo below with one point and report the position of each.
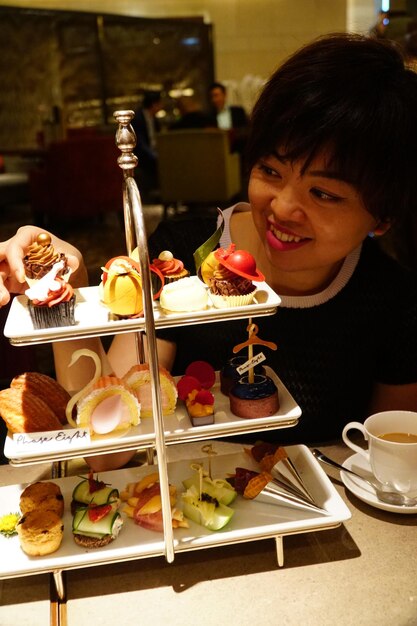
(279, 544)
(58, 599)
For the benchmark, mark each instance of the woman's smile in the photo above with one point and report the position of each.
(282, 239)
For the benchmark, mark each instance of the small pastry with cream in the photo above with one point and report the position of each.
(184, 295)
(105, 405)
(138, 379)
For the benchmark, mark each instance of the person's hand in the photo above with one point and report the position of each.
(12, 251)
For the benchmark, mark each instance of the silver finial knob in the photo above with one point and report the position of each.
(126, 141)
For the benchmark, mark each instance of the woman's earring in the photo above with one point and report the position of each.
(380, 229)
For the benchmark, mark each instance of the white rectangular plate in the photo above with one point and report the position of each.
(94, 319)
(178, 428)
(251, 520)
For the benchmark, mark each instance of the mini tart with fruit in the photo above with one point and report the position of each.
(171, 269)
(230, 275)
(200, 407)
(193, 389)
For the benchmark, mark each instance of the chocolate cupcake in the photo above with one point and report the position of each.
(230, 275)
(51, 300)
(41, 257)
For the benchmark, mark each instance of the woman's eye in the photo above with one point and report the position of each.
(266, 169)
(324, 195)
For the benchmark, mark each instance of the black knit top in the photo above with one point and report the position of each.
(329, 356)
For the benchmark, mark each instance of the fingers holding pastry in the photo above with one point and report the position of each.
(12, 252)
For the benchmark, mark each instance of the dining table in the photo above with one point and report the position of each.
(362, 572)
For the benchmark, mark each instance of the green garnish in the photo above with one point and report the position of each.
(8, 524)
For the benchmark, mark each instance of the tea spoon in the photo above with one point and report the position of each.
(384, 495)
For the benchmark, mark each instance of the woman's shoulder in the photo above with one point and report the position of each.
(380, 273)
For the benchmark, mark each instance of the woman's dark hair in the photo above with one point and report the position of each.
(352, 95)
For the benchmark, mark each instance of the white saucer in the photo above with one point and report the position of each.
(357, 463)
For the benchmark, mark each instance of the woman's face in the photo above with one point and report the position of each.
(307, 222)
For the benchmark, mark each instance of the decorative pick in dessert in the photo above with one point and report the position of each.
(253, 395)
(206, 500)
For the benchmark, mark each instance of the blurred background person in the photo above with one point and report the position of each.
(146, 126)
(377, 31)
(191, 114)
(232, 118)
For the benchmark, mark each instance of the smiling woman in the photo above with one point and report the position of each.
(331, 156)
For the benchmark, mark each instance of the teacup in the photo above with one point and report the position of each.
(392, 448)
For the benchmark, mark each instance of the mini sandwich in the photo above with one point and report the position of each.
(96, 520)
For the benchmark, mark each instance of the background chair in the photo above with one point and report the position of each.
(196, 168)
(80, 178)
